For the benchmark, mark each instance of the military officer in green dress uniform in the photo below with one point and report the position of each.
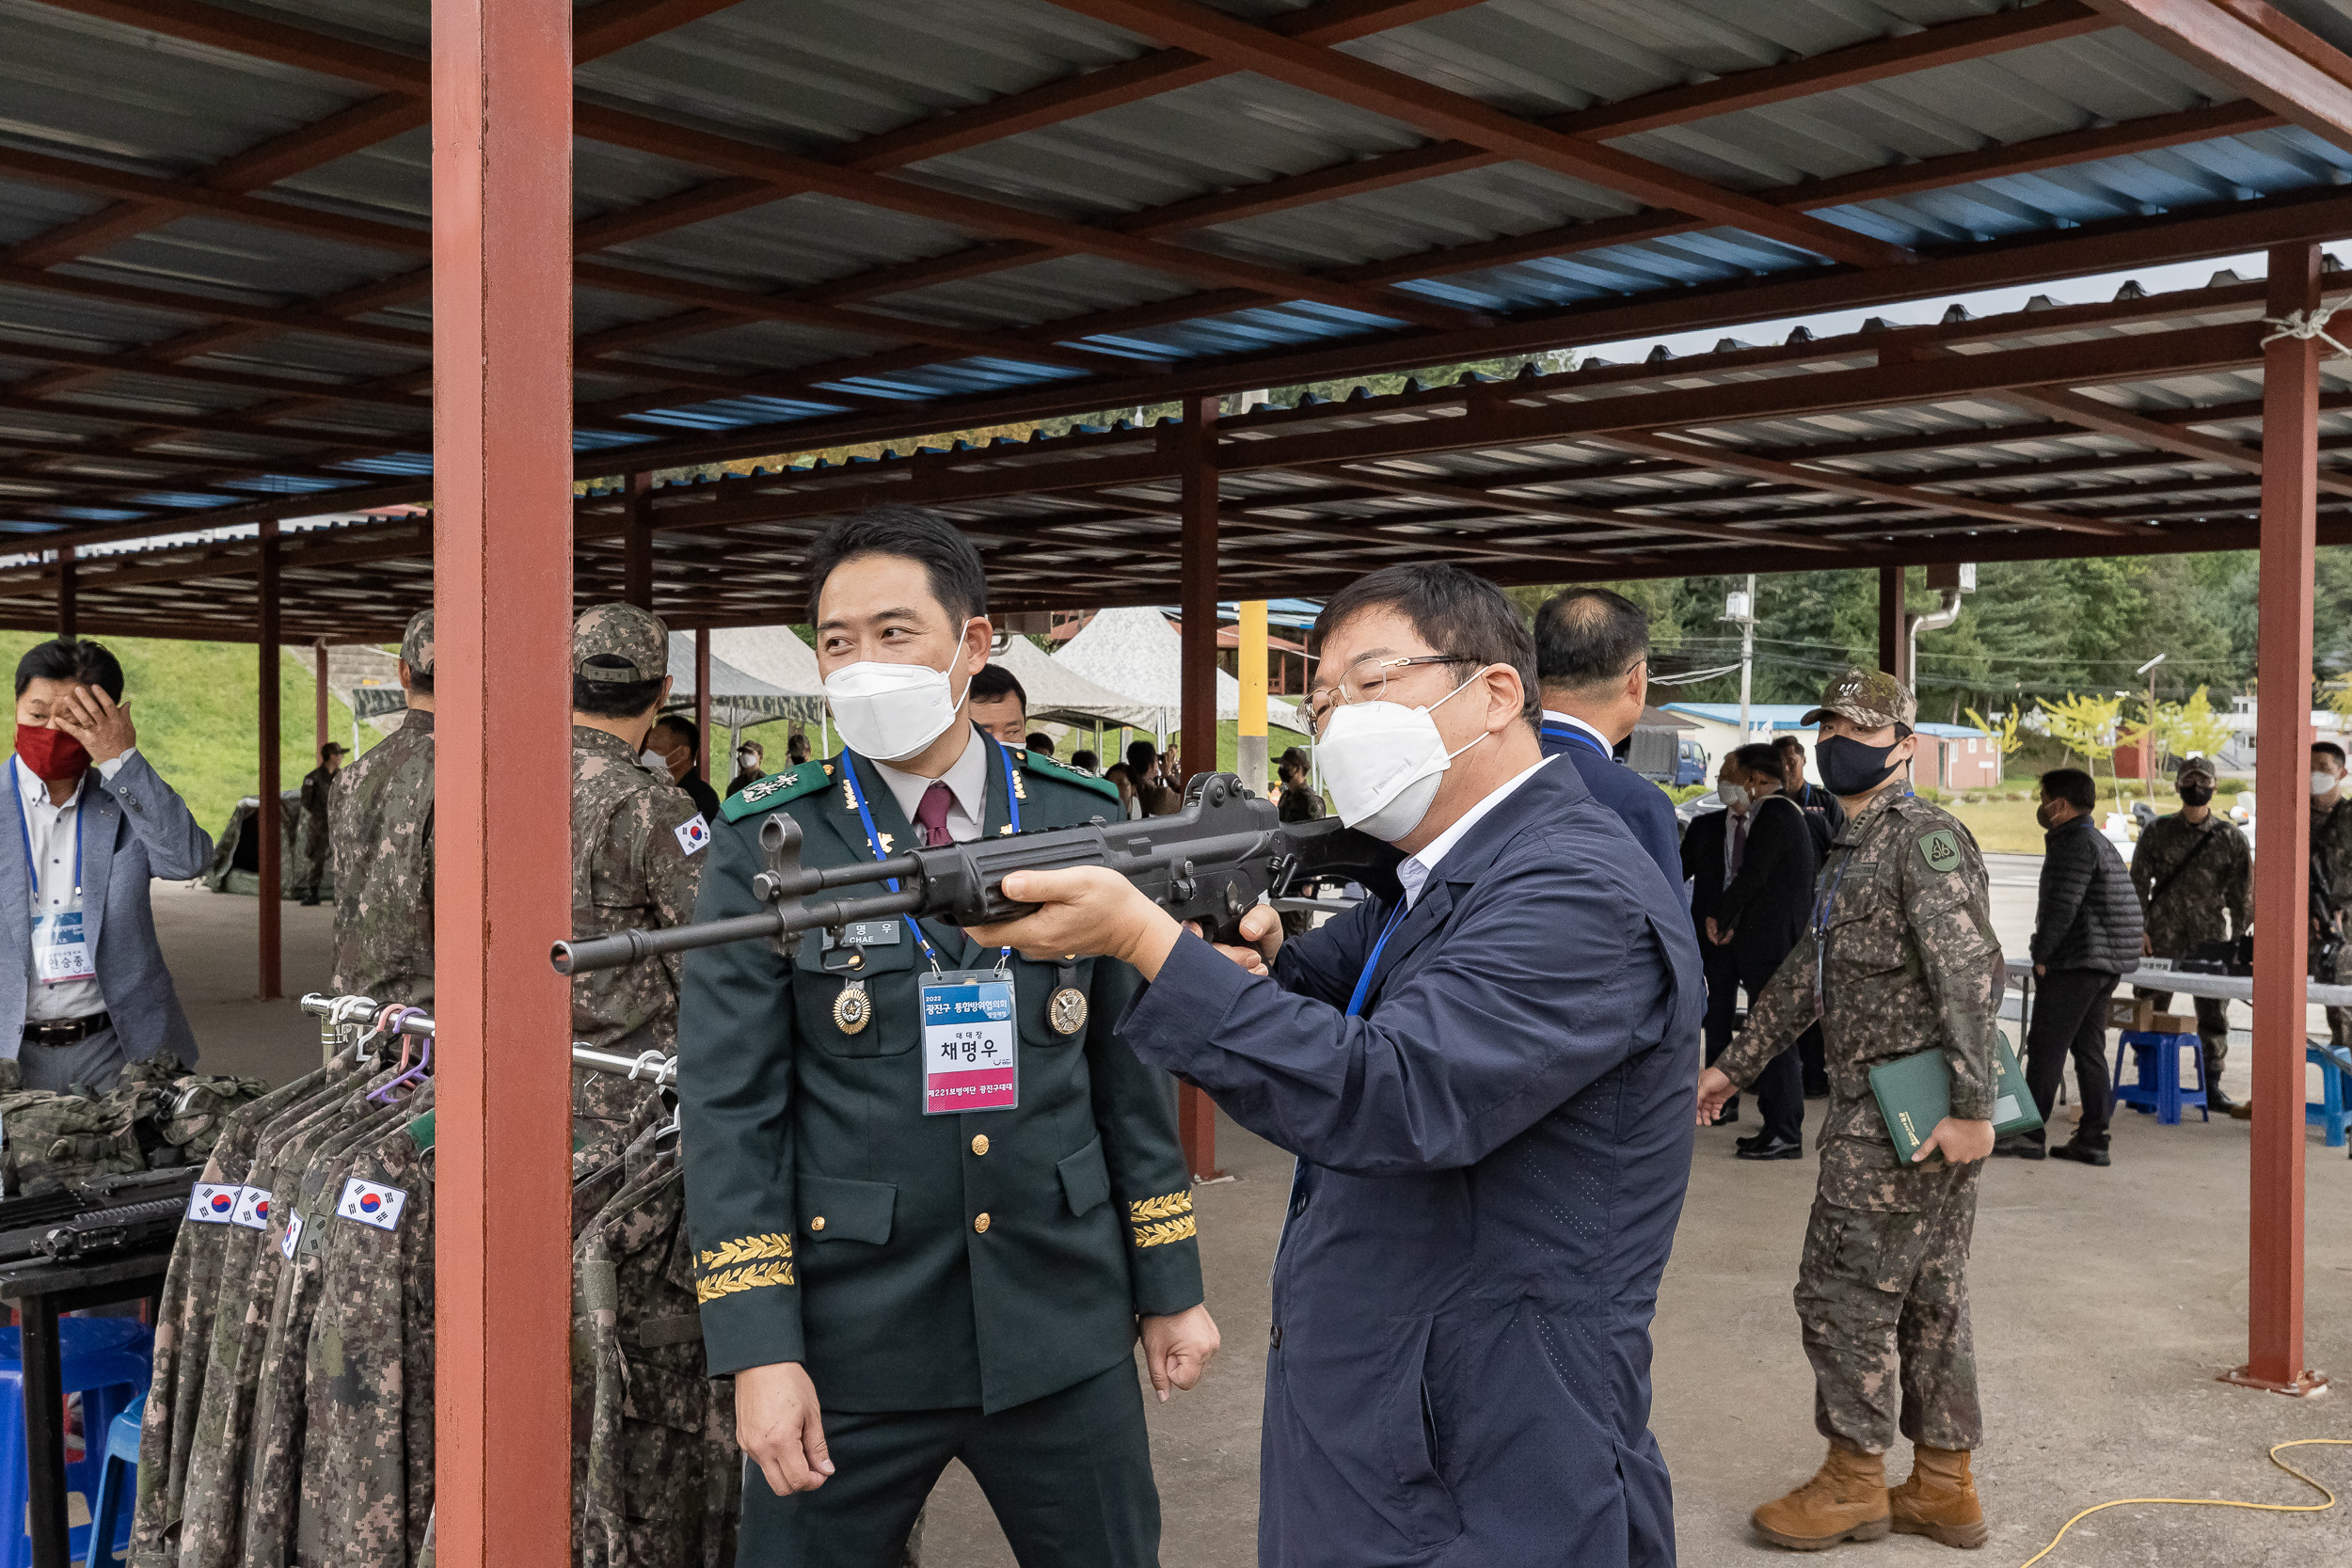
(934, 1197)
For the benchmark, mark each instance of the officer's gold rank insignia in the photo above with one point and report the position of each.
(1065, 1010)
(853, 1010)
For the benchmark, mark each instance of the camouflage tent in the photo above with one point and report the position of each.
(237, 850)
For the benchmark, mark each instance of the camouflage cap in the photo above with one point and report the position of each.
(416, 644)
(1871, 698)
(2198, 766)
(620, 632)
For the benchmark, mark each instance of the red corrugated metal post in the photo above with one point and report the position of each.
(1196, 1114)
(268, 822)
(2282, 740)
(502, 597)
(637, 543)
(1891, 620)
(66, 607)
(702, 700)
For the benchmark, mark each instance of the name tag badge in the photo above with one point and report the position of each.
(864, 933)
(970, 1059)
(61, 948)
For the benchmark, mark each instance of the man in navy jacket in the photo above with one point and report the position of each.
(1485, 1079)
(1592, 658)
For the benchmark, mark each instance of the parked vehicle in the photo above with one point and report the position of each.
(1667, 757)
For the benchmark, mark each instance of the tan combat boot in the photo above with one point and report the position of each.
(1939, 1501)
(1845, 1501)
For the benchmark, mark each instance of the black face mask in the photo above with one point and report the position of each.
(2041, 814)
(2195, 795)
(1849, 767)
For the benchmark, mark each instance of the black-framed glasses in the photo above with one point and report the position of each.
(1367, 681)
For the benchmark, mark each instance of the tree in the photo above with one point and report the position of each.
(2186, 729)
(2082, 724)
(2006, 741)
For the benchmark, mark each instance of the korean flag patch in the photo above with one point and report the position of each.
(692, 835)
(371, 1204)
(211, 1202)
(252, 1207)
(291, 1240)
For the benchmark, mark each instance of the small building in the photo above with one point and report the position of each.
(1950, 756)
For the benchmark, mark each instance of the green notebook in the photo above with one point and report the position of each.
(1916, 1092)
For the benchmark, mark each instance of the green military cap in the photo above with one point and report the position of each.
(2196, 767)
(416, 644)
(1871, 698)
(633, 644)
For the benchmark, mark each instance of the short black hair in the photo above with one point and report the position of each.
(418, 680)
(948, 559)
(1460, 614)
(1039, 740)
(612, 699)
(683, 727)
(2328, 746)
(1589, 637)
(995, 683)
(70, 658)
(2073, 785)
(1756, 757)
(1141, 753)
(1788, 744)
(1087, 760)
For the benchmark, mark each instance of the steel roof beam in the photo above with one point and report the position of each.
(2256, 49)
(2091, 413)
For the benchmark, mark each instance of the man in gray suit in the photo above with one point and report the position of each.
(95, 824)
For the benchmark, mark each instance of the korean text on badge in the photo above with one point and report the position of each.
(970, 1059)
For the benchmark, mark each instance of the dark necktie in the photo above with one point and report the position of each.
(1738, 841)
(930, 814)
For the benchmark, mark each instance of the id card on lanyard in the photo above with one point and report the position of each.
(61, 949)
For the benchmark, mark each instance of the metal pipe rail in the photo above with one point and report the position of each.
(651, 1064)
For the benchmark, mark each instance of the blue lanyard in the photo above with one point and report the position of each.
(32, 871)
(1372, 965)
(873, 840)
(1562, 731)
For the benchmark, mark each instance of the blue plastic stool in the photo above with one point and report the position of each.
(106, 1362)
(2156, 1083)
(109, 1520)
(2334, 1106)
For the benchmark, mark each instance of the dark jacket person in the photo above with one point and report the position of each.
(1592, 658)
(1486, 1073)
(2086, 934)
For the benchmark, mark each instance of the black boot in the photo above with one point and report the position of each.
(1770, 1147)
(2084, 1152)
(2218, 1100)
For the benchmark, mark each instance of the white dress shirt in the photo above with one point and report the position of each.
(1416, 871)
(967, 782)
(1553, 716)
(49, 843)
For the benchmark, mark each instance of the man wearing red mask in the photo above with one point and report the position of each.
(95, 825)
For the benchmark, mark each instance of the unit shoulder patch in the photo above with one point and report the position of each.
(1044, 769)
(775, 789)
(1940, 850)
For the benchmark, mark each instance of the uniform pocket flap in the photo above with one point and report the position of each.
(1086, 1180)
(836, 1209)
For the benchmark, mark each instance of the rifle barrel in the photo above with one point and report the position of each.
(627, 947)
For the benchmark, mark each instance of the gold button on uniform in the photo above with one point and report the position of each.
(979, 1143)
(817, 1223)
(981, 1224)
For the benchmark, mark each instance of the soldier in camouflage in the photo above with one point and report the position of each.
(636, 838)
(2195, 874)
(318, 790)
(2332, 855)
(380, 824)
(1902, 959)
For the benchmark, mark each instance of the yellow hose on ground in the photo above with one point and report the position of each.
(2218, 1502)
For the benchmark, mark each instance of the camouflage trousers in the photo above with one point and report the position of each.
(2212, 1025)
(1882, 1298)
(2340, 1019)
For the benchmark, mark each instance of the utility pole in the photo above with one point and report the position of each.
(1739, 609)
(2148, 743)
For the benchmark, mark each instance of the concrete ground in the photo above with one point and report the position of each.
(2105, 1302)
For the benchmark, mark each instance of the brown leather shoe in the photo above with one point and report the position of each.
(1939, 1501)
(1846, 1500)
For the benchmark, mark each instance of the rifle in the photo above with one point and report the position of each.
(2327, 937)
(1210, 861)
(109, 1215)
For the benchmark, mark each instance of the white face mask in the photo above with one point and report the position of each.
(1385, 761)
(2322, 780)
(1734, 796)
(887, 712)
(654, 761)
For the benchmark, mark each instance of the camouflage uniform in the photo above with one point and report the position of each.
(380, 827)
(2206, 870)
(636, 860)
(1903, 959)
(2332, 843)
(318, 788)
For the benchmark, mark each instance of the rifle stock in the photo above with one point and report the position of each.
(1210, 861)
